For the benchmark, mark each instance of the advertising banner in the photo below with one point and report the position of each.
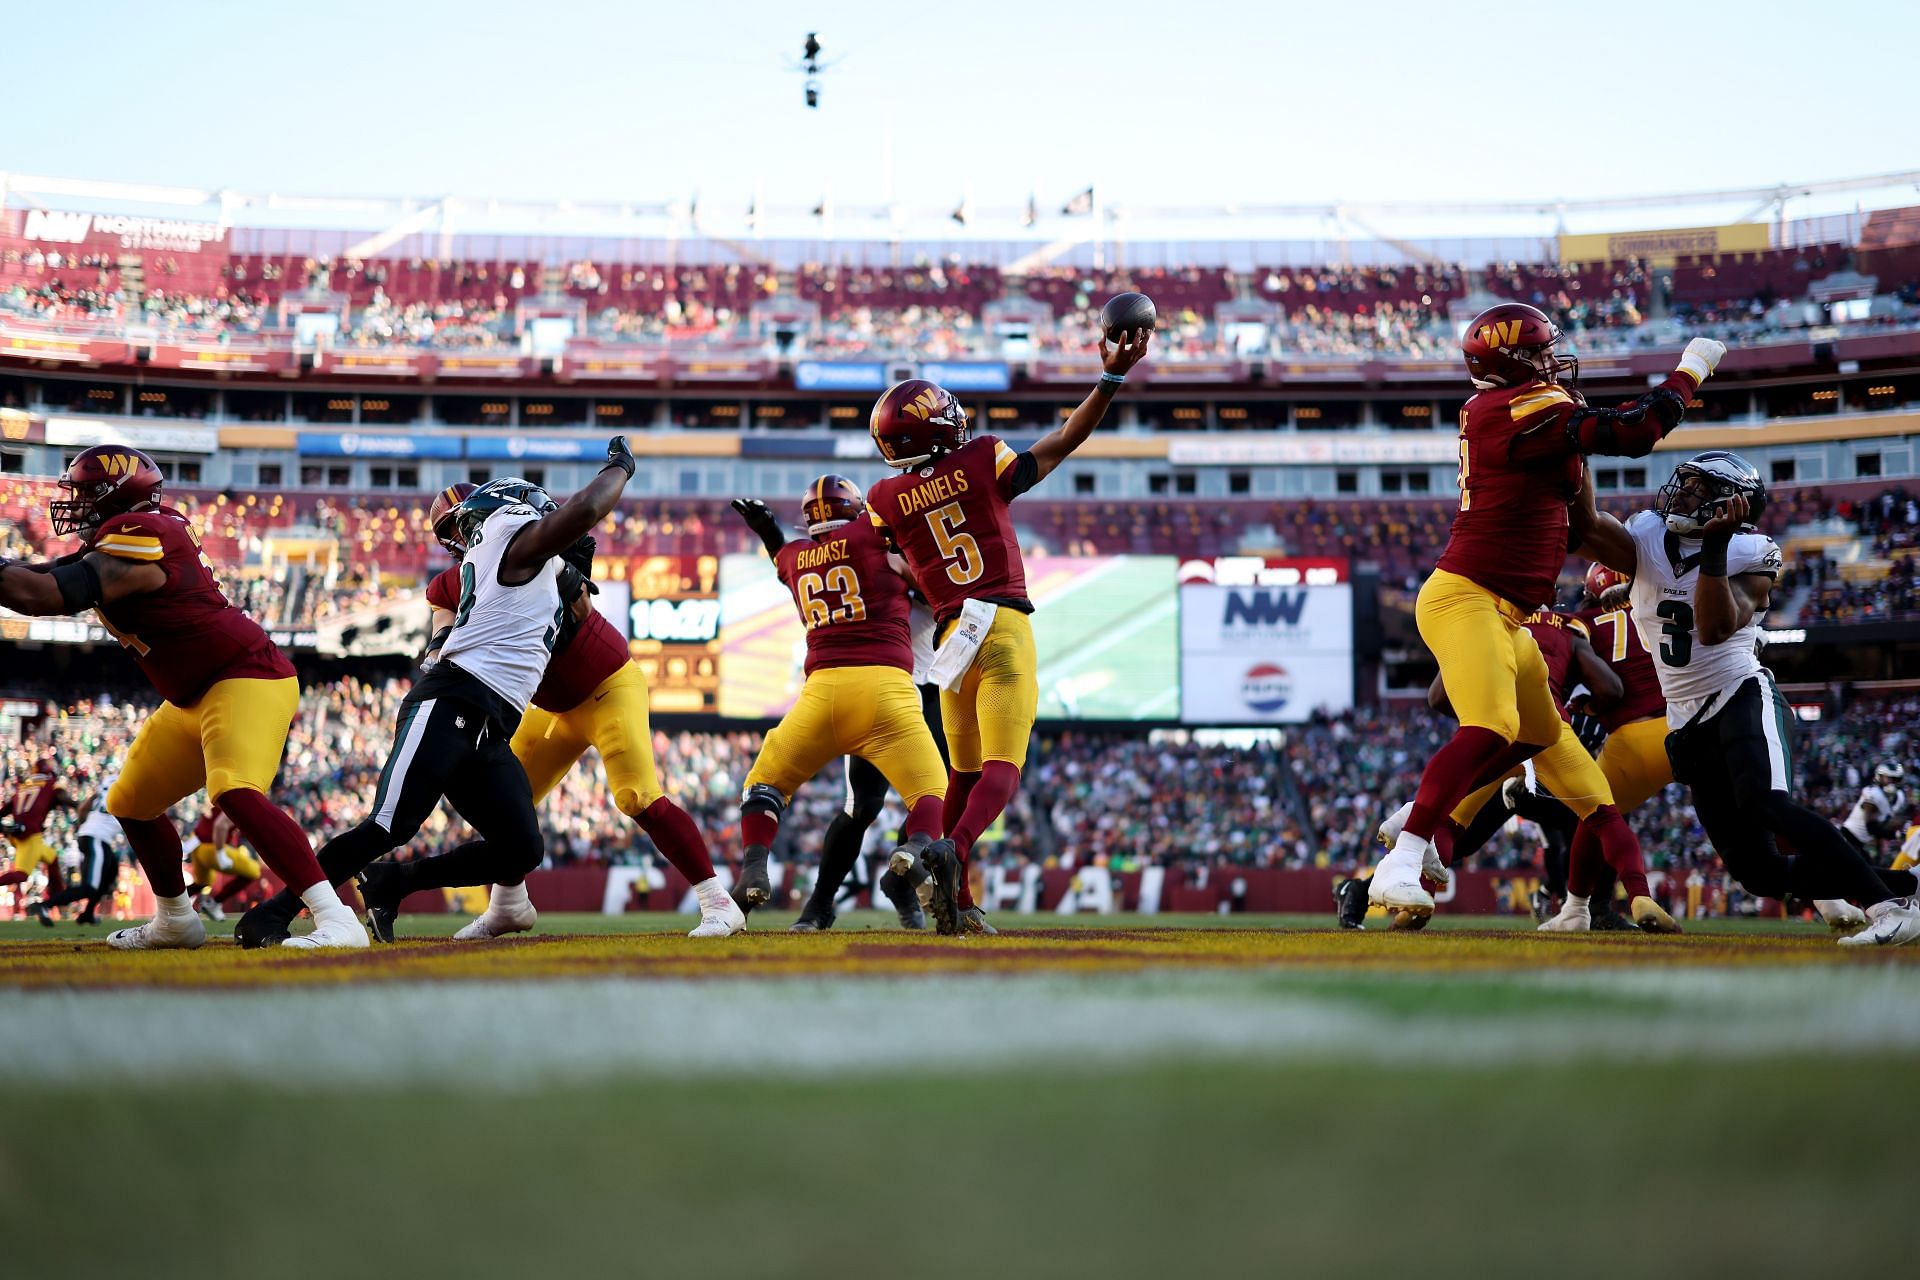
(87, 432)
(987, 375)
(830, 375)
(1662, 248)
(1264, 653)
(540, 448)
(337, 444)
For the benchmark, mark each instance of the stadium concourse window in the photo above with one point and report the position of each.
(257, 406)
(1239, 483)
(1084, 484)
(693, 415)
(1710, 405)
(171, 402)
(392, 410)
(81, 397)
(1346, 482)
(474, 411)
(1331, 415)
(1172, 417)
(569, 411)
(1866, 465)
(1782, 471)
(853, 417)
(271, 474)
(13, 463)
(323, 406)
(1251, 417)
(1800, 401)
(1400, 415)
(382, 477)
(623, 415)
(1629, 479)
(1408, 481)
(318, 476)
(790, 415)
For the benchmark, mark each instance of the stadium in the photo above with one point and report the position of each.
(1158, 960)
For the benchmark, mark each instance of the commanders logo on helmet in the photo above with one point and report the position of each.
(831, 500)
(1607, 586)
(510, 491)
(105, 481)
(1513, 344)
(916, 420)
(440, 516)
(1704, 485)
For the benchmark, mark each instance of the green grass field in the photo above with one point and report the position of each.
(1128, 1095)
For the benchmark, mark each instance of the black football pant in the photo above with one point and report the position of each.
(99, 868)
(1738, 762)
(866, 797)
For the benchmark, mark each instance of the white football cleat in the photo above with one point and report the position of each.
(1396, 884)
(162, 933)
(1396, 823)
(1840, 915)
(721, 921)
(332, 928)
(1574, 917)
(1892, 923)
(497, 922)
(1433, 870)
(210, 907)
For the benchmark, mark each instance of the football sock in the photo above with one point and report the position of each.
(758, 828)
(274, 835)
(926, 818)
(959, 790)
(1618, 848)
(1445, 838)
(320, 896)
(1450, 775)
(678, 839)
(711, 896)
(12, 877)
(509, 897)
(986, 800)
(173, 906)
(156, 846)
(838, 852)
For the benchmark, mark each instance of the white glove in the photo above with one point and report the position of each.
(1701, 358)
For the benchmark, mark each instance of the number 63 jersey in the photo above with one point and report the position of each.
(1667, 568)
(852, 603)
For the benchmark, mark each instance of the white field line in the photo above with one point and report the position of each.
(520, 1035)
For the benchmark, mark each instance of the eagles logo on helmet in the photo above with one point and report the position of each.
(102, 482)
(916, 420)
(1606, 586)
(831, 500)
(1512, 344)
(509, 491)
(440, 516)
(1703, 485)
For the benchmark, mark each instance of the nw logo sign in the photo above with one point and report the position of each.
(1265, 608)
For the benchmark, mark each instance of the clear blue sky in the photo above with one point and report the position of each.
(1189, 100)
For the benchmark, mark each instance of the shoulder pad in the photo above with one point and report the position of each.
(135, 535)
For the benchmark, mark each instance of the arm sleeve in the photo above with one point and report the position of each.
(773, 539)
(1629, 431)
(1013, 473)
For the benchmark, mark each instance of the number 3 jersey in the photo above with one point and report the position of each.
(504, 634)
(186, 636)
(1667, 570)
(950, 520)
(852, 603)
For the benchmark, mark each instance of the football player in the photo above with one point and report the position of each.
(230, 694)
(218, 847)
(453, 732)
(98, 837)
(34, 798)
(592, 695)
(1876, 814)
(1702, 581)
(859, 697)
(947, 514)
(1524, 437)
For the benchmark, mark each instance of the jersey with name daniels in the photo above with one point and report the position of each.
(852, 603)
(950, 520)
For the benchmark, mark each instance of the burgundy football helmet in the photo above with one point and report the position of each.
(831, 500)
(102, 482)
(1602, 581)
(440, 517)
(916, 420)
(1513, 344)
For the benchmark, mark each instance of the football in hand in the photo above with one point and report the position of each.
(1127, 311)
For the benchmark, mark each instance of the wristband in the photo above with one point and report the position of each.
(1713, 557)
(1113, 379)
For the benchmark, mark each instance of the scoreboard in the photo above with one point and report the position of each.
(673, 629)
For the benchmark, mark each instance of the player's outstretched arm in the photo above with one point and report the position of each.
(1597, 535)
(1052, 449)
(1632, 429)
(75, 585)
(552, 534)
(760, 518)
(1723, 605)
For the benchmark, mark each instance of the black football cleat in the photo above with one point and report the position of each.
(382, 905)
(1545, 906)
(974, 920)
(756, 886)
(812, 921)
(38, 911)
(1607, 920)
(906, 903)
(942, 888)
(268, 924)
(1350, 903)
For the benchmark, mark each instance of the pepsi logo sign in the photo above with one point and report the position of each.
(1266, 687)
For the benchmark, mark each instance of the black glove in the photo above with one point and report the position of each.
(579, 558)
(1590, 731)
(760, 518)
(619, 455)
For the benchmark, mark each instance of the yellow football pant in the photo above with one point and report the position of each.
(30, 851)
(613, 722)
(206, 863)
(231, 738)
(1633, 764)
(870, 712)
(990, 716)
(1492, 669)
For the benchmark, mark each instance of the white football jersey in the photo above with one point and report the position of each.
(1876, 804)
(100, 824)
(920, 628)
(1667, 569)
(502, 635)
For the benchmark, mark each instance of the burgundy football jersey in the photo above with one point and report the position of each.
(1617, 641)
(33, 800)
(1510, 535)
(852, 603)
(1551, 632)
(949, 518)
(185, 636)
(573, 673)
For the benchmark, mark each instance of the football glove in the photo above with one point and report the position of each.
(579, 558)
(1701, 358)
(1591, 733)
(758, 515)
(621, 456)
